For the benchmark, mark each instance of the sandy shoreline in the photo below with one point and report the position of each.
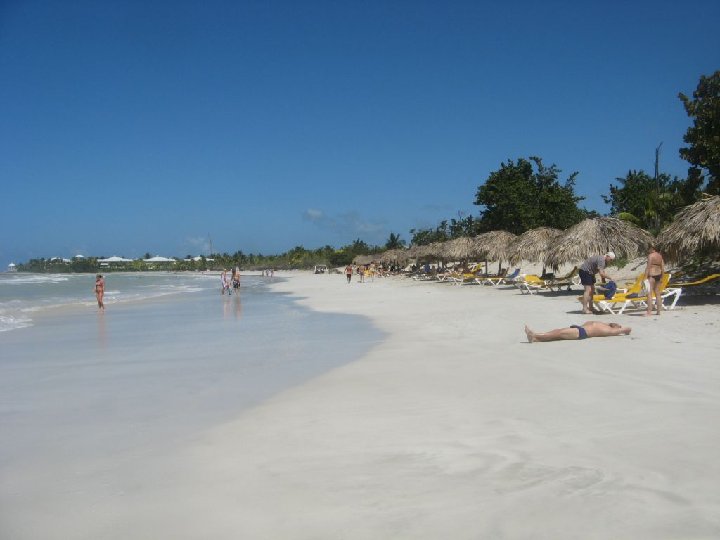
(451, 427)
(455, 427)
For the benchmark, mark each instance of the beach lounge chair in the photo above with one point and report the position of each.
(567, 281)
(454, 277)
(531, 284)
(621, 302)
(712, 280)
(634, 288)
(498, 280)
(707, 280)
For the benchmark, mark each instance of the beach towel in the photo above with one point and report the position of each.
(610, 289)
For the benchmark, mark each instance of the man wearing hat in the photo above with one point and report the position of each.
(593, 265)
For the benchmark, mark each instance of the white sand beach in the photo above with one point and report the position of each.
(454, 426)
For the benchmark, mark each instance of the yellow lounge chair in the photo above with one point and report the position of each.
(568, 280)
(532, 283)
(619, 303)
(634, 287)
(697, 282)
(498, 280)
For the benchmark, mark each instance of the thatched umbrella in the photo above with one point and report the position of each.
(462, 248)
(533, 245)
(597, 236)
(390, 255)
(364, 259)
(495, 246)
(399, 255)
(430, 251)
(427, 252)
(694, 231)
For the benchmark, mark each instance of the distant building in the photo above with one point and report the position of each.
(12, 267)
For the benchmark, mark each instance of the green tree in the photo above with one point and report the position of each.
(703, 137)
(422, 237)
(394, 241)
(648, 202)
(467, 226)
(526, 195)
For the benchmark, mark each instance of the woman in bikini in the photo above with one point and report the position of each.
(654, 273)
(100, 290)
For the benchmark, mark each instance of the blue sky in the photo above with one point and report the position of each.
(148, 126)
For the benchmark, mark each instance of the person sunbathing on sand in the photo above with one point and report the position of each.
(588, 329)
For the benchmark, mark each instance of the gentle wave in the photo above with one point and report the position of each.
(32, 279)
(34, 293)
(14, 323)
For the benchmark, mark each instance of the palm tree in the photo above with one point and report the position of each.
(394, 242)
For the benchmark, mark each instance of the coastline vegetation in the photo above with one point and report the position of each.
(522, 194)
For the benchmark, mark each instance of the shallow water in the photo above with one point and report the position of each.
(85, 395)
(24, 295)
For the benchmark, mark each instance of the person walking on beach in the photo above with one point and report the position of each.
(654, 273)
(593, 265)
(348, 272)
(587, 330)
(100, 290)
(236, 278)
(225, 282)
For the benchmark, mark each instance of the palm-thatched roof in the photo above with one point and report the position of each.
(495, 245)
(364, 259)
(533, 245)
(419, 251)
(694, 231)
(461, 248)
(394, 255)
(430, 251)
(597, 236)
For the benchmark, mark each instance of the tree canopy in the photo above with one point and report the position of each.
(651, 202)
(703, 137)
(525, 195)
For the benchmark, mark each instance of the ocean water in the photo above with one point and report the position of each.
(23, 296)
(90, 401)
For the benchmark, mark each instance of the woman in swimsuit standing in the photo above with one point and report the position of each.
(100, 290)
(654, 273)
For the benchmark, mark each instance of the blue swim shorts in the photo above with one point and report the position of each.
(581, 330)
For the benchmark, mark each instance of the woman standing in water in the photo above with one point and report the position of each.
(100, 290)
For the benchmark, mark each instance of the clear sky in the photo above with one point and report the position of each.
(129, 127)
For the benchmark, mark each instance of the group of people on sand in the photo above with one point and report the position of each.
(230, 281)
(654, 270)
(362, 271)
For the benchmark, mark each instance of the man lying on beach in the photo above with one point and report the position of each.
(588, 329)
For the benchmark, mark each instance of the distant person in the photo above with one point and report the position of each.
(654, 273)
(225, 283)
(593, 265)
(100, 290)
(348, 272)
(236, 278)
(587, 330)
